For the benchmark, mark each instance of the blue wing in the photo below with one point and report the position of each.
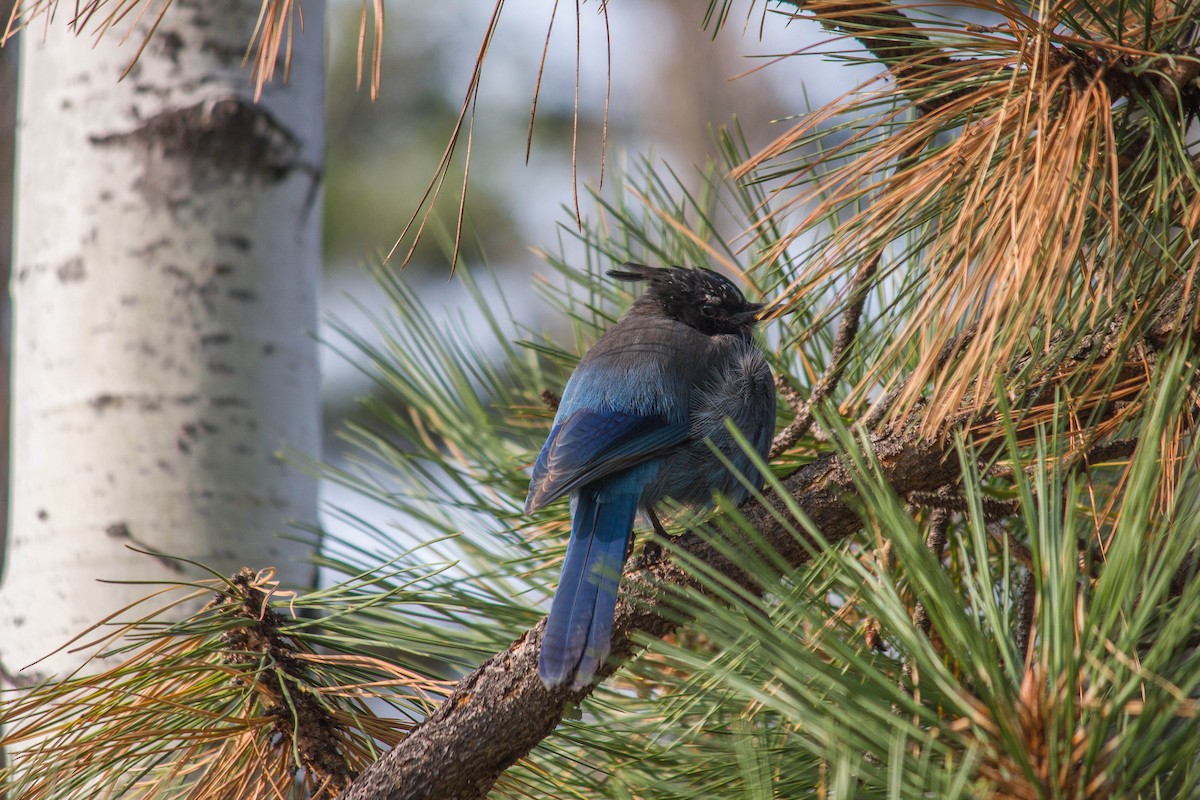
(589, 444)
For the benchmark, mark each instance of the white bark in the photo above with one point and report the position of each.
(164, 293)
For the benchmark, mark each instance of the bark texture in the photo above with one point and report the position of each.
(165, 296)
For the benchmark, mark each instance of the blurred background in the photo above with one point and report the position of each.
(668, 84)
(672, 84)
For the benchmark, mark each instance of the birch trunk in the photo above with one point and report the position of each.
(164, 294)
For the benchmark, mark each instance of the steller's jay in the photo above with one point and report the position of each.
(633, 427)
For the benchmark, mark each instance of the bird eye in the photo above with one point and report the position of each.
(709, 309)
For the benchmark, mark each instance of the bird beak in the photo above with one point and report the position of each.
(750, 315)
(760, 312)
(769, 310)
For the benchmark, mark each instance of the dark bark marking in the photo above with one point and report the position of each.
(120, 530)
(236, 241)
(230, 136)
(243, 295)
(230, 54)
(191, 431)
(43, 515)
(191, 285)
(143, 402)
(104, 401)
(22, 678)
(170, 44)
(215, 339)
(150, 248)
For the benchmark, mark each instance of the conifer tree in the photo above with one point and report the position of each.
(971, 573)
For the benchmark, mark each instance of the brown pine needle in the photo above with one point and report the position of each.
(228, 700)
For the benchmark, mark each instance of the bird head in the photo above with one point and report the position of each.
(699, 297)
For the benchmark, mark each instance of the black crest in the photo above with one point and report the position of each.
(701, 298)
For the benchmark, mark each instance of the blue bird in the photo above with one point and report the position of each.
(633, 427)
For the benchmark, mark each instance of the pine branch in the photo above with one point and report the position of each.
(893, 40)
(860, 286)
(501, 711)
(498, 713)
(915, 61)
(838, 360)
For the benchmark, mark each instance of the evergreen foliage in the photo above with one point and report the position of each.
(1008, 233)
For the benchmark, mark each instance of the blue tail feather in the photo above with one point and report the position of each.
(579, 632)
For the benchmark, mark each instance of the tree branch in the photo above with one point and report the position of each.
(498, 713)
(501, 711)
(847, 331)
(914, 60)
(892, 38)
(856, 299)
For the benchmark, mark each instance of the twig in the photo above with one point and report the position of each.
(935, 540)
(880, 409)
(860, 285)
(298, 716)
(1017, 548)
(847, 331)
(790, 395)
(885, 561)
(993, 509)
(891, 38)
(896, 42)
(1183, 576)
(1025, 606)
(1110, 451)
